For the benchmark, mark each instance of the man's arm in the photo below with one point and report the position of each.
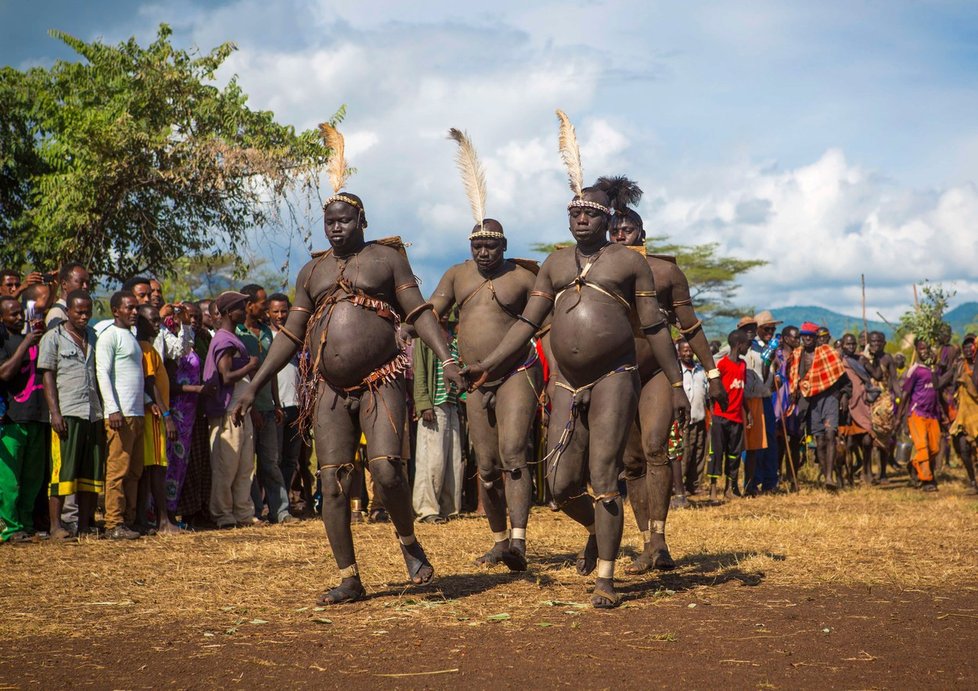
(539, 305)
(444, 296)
(105, 371)
(11, 366)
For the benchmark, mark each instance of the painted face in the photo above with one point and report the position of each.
(12, 315)
(10, 285)
(126, 311)
(626, 232)
(79, 312)
(142, 291)
(849, 344)
(487, 253)
(155, 293)
(278, 312)
(78, 279)
(343, 225)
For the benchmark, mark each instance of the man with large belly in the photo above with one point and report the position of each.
(648, 475)
(349, 302)
(591, 289)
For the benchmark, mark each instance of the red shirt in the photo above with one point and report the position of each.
(732, 374)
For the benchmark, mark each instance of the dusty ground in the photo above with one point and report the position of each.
(872, 588)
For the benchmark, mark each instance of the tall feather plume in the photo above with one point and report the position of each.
(571, 154)
(336, 168)
(473, 176)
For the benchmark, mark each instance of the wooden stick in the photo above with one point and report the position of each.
(862, 280)
(787, 447)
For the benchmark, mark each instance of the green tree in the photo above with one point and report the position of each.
(712, 277)
(136, 160)
(926, 319)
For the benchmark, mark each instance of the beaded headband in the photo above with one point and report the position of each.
(343, 198)
(492, 234)
(585, 204)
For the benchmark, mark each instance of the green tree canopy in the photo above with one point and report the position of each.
(712, 277)
(131, 160)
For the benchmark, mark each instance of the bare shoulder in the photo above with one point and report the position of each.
(626, 257)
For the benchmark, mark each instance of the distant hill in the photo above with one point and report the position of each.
(959, 318)
(963, 316)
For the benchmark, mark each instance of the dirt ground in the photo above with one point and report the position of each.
(871, 588)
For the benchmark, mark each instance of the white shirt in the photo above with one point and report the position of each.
(119, 369)
(696, 386)
(288, 383)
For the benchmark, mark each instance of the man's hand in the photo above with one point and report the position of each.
(171, 428)
(748, 420)
(680, 406)
(428, 418)
(279, 415)
(155, 410)
(453, 375)
(115, 420)
(717, 393)
(474, 376)
(58, 425)
(32, 338)
(243, 408)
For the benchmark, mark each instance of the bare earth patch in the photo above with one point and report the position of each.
(873, 587)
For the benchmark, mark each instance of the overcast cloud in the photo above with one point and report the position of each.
(831, 139)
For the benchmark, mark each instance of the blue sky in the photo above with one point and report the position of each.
(830, 138)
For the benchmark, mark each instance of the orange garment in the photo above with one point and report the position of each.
(755, 436)
(926, 435)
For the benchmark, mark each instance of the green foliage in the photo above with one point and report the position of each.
(712, 277)
(131, 160)
(926, 319)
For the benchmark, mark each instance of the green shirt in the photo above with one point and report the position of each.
(441, 393)
(264, 402)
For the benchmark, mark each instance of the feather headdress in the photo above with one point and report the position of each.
(336, 168)
(570, 153)
(474, 181)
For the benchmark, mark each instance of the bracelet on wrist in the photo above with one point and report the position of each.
(713, 374)
(677, 384)
(165, 413)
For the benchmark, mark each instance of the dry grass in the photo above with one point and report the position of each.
(219, 582)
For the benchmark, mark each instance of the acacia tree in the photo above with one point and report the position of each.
(712, 277)
(134, 159)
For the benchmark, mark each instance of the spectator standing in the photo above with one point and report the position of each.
(788, 430)
(290, 439)
(920, 408)
(66, 360)
(229, 367)
(119, 368)
(266, 414)
(158, 428)
(762, 454)
(438, 459)
(727, 429)
(24, 428)
(695, 446)
(184, 375)
(72, 276)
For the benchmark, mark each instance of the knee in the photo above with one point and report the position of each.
(386, 472)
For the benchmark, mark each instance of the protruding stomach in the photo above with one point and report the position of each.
(358, 341)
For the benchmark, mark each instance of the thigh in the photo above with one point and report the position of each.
(516, 409)
(382, 419)
(614, 401)
(655, 413)
(484, 435)
(336, 432)
(567, 442)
